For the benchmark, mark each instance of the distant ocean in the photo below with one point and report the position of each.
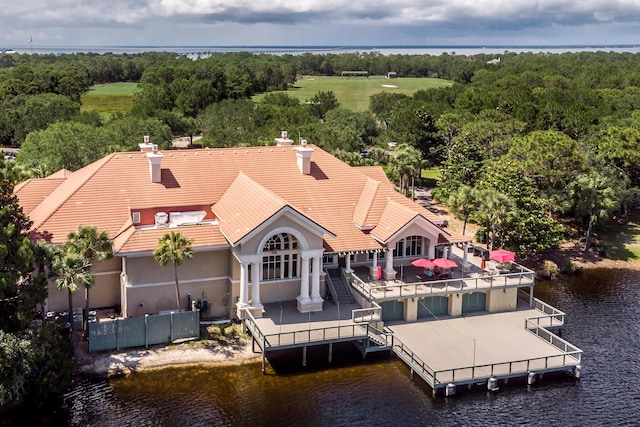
(195, 51)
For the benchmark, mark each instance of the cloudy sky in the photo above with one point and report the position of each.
(318, 22)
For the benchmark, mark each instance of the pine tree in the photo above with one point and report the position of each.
(18, 292)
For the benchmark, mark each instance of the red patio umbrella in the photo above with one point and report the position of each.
(444, 263)
(502, 256)
(423, 263)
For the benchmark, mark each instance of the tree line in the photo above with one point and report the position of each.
(533, 148)
(583, 102)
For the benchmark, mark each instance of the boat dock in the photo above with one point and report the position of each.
(474, 327)
(483, 349)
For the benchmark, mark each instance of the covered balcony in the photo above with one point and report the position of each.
(469, 275)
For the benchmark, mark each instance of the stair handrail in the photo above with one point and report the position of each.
(347, 284)
(330, 285)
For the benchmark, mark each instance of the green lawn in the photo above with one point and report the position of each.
(623, 240)
(109, 98)
(353, 92)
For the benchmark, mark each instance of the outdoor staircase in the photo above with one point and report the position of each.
(342, 294)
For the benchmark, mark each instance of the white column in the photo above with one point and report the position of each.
(244, 284)
(431, 251)
(389, 272)
(255, 284)
(373, 269)
(466, 251)
(347, 263)
(304, 282)
(315, 280)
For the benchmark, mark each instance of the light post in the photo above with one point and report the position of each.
(338, 302)
(474, 352)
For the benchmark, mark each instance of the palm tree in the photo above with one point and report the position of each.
(495, 209)
(463, 201)
(594, 197)
(72, 270)
(407, 161)
(173, 247)
(92, 246)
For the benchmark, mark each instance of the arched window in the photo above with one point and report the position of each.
(280, 257)
(410, 246)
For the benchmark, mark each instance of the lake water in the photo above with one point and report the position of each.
(603, 314)
(299, 50)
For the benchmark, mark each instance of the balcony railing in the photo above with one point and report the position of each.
(389, 289)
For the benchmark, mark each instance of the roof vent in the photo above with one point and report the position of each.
(161, 219)
(147, 146)
(284, 140)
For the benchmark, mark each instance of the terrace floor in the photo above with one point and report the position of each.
(480, 340)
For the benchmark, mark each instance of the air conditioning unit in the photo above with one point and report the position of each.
(161, 218)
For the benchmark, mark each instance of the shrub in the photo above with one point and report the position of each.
(569, 267)
(549, 269)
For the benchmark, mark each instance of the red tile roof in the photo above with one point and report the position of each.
(146, 239)
(260, 180)
(32, 191)
(363, 207)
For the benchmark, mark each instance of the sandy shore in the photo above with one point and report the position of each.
(114, 363)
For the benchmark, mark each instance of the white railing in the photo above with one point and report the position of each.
(305, 336)
(366, 315)
(570, 356)
(562, 345)
(398, 289)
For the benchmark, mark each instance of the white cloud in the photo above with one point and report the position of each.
(267, 22)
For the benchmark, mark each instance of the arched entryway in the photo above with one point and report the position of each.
(280, 257)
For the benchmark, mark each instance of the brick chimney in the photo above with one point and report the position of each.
(155, 162)
(303, 154)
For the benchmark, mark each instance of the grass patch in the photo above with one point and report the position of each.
(622, 240)
(353, 93)
(431, 173)
(430, 177)
(110, 98)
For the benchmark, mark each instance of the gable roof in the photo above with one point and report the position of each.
(394, 217)
(363, 207)
(143, 240)
(245, 206)
(244, 186)
(32, 191)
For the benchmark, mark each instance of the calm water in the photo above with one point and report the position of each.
(299, 50)
(603, 319)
